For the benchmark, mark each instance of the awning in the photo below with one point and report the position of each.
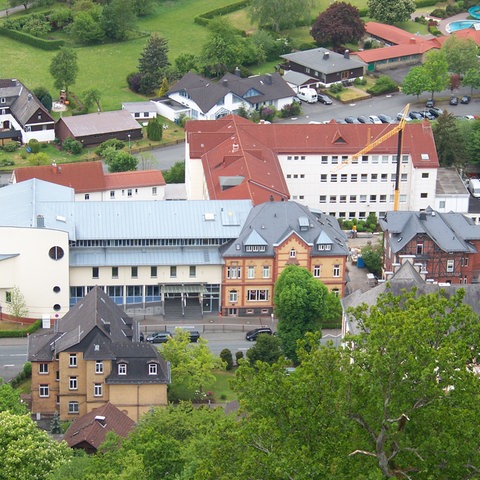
(185, 288)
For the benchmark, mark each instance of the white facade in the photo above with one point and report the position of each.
(124, 194)
(43, 135)
(36, 261)
(195, 182)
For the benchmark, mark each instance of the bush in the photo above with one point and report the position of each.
(226, 356)
(267, 113)
(6, 163)
(239, 356)
(42, 43)
(155, 129)
(72, 146)
(383, 85)
(360, 81)
(112, 142)
(34, 145)
(291, 110)
(439, 13)
(336, 88)
(11, 147)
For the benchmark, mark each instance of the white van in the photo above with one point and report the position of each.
(308, 95)
(474, 187)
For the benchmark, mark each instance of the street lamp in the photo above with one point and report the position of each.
(129, 149)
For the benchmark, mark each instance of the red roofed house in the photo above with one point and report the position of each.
(237, 159)
(91, 183)
(89, 431)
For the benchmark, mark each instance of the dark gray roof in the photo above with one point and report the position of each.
(450, 231)
(22, 103)
(406, 278)
(207, 93)
(323, 60)
(271, 222)
(449, 182)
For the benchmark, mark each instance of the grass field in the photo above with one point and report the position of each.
(105, 67)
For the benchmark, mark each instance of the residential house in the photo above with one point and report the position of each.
(22, 116)
(89, 431)
(90, 359)
(149, 255)
(444, 245)
(206, 99)
(316, 162)
(90, 182)
(275, 235)
(141, 111)
(324, 67)
(96, 128)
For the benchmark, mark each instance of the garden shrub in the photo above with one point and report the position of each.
(439, 13)
(6, 163)
(11, 147)
(291, 110)
(204, 18)
(267, 113)
(239, 356)
(42, 43)
(72, 146)
(336, 88)
(155, 129)
(34, 145)
(112, 142)
(383, 85)
(226, 356)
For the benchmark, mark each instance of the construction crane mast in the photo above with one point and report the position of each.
(396, 129)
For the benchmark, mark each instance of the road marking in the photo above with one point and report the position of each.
(10, 365)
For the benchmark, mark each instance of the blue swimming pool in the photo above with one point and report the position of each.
(460, 25)
(474, 11)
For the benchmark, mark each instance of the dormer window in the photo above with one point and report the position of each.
(324, 246)
(122, 368)
(293, 253)
(255, 248)
(152, 369)
(3, 100)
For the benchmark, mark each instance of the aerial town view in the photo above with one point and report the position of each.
(240, 240)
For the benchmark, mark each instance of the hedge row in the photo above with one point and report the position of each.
(21, 333)
(205, 18)
(31, 40)
(426, 3)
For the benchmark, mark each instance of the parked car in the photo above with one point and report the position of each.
(363, 119)
(416, 115)
(385, 118)
(374, 119)
(401, 115)
(435, 111)
(159, 337)
(325, 99)
(465, 99)
(252, 335)
(351, 120)
(430, 103)
(453, 100)
(426, 114)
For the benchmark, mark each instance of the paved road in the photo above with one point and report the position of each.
(13, 355)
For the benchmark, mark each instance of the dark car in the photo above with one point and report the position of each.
(465, 99)
(416, 115)
(435, 111)
(453, 100)
(351, 120)
(324, 99)
(385, 118)
(430, 103)
(252, 335)
(363, 119)
(159, 337)
(426, 114)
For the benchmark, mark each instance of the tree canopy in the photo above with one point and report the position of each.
(461, 54)
(340, 23)
(278, 15)
(415, 82)
(436, 70)
(390, 12)
(64, 68)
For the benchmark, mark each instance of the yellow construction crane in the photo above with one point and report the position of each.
(396, 129)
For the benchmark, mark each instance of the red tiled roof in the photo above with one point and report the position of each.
(251, 150)
(90, 432)
(470, 33)
(140, 178)
(81, 176)
(389, 33)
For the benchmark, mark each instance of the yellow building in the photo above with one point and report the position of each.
(90, 359)
(277, 234)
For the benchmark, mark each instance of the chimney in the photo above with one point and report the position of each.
(268, 78)
(237, 71)
(235, 147)
(423, 215)
(326, 55)
(55, 167)
(29, 96)
(346, 54)
(225, 82)
(40, 221)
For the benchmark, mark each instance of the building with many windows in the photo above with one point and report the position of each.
(277, 234)
(317, 163)
(91, 359)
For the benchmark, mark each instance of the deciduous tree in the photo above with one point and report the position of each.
(64, 69)
(175, 174)
(91, 97)
(461, 54)
(267, 349)
(16, 304)
(10, 400)
(278, 15)
(415, 82)
(44, 97)
(340, 23)
(390, 12)
(472, 78)
(119, 161)
(436, 70)
(118, 19)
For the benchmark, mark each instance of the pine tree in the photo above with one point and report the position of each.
(154, 129)
(154, 58)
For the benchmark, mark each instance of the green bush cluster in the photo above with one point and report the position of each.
(6, 163)
(239, 356)
(155, 129)
(290, 110)
(426, 3)
(336, 88)
(204, 18)
(21, 333)
(368, 225)
(72, 146)
(383, 85)
(24, 375)
(42, 43)
(112, 142)
(11, 147)
(226, 356)
(34, 145)
(360, 81)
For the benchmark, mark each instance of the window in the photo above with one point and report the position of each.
(404, 158)
(152, 368)
(323, 177)
(98, 366)
(403, 198)
(450, 266)
(122, 368)
(353, 177)
(43, 391)
(192, 271)
(364, 158)
(375, 158)
(57, 376)
(114, 272)
(97, 390)
(336, 292)
(72, 407)
(336, 270)
(362, 215)
(173, 271)
(56, 253)
(73, 384)
(293, 253)
(153, 272)
(384, 177)
(94, 272)
(384, 158)
(424, 175)
(112, 193)
(154, 190)
(129, 192)
(373, 198)
(344, 158)
(364, 177)
(43, 369)
(251, 271)
(316, 271)
(73, 360)
(383, 199)
(234, 272)
(363, 199)
(343, 177)
(334, 159)
(134, 272)
(442, 204)
(403, 177)
(333, 177)
(353, 199)
(419, 248)
(233, 296)
(374, 177)
(393, 177)
(324, 159)
(323, 199)
(87, 196)
(465, 262)
(394, 158)
(333, 199)
(257, 295)
(266, 271)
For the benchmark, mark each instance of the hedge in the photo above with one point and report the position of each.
(31, 40)
(21, 333)
(204, 18)
(426, 3)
